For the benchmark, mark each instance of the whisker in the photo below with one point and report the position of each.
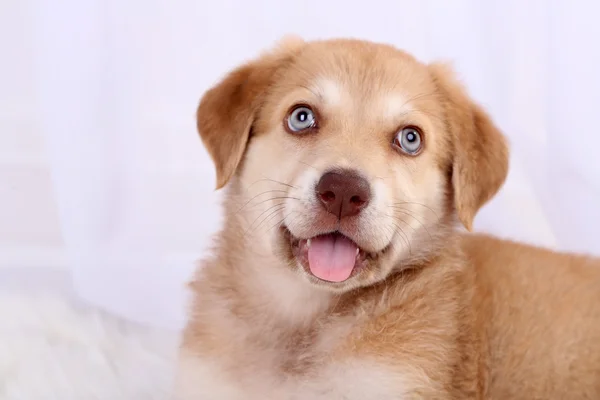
(418, 221)
(308, 165)
(404, 237)
(270, 217)
(276, 206)
(279, 182)
(383, 178)
(260, 194)
(281, 221)
(392, 232)
(278, 198)
(265, 179)
(250, 232)
(298, 215)
(415, 203)
(397, 218)
(429, 219)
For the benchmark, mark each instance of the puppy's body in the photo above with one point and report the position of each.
(500, 321)
(339, 273)
(540, 313)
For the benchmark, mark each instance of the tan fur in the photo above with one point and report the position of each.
(437, 314)
(480, 150)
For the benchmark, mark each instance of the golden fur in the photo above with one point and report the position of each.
(433, 313)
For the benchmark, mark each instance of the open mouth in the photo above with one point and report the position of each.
(331, 257)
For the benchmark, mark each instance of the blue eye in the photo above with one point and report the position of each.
(408, 140)
(300, 119)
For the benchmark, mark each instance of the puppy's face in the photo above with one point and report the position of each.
(349, 159)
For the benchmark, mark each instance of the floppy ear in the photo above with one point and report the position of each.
(228, 110)
(480, 151)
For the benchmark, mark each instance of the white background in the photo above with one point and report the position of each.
(102, 174)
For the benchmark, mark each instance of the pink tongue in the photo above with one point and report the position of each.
(331, 257)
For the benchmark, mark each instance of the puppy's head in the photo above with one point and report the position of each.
(349, 159)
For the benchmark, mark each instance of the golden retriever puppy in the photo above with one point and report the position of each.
(340, 272)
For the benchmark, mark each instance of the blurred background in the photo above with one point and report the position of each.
(104, 182)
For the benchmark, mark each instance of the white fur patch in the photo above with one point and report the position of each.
(291, 297)
(330, 91)
(358, 380)
(350, 380)
(303, 189)
(376, 225)
(199, 379)
(394, 105)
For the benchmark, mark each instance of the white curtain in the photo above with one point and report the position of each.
(112, 86)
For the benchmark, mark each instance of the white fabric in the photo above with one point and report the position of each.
(114, 85)
(54, 348)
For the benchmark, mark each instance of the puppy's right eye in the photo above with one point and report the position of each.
(300, 119)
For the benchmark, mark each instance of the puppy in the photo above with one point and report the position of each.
(340, 271)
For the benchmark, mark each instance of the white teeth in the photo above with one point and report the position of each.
(308, 243)
(357, 251)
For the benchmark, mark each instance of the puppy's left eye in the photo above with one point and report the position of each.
(408, 140)
(300, 119)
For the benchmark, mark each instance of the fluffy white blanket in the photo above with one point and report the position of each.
(52, 347)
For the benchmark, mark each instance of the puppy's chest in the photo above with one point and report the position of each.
(303, 365)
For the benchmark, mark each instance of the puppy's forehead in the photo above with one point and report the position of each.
(368, 75)
(336, 94)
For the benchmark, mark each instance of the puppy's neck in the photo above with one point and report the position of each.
(264, 284)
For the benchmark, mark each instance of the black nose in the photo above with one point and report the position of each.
(343, 193)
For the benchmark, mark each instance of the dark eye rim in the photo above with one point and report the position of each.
(399, 148)
(293, 108)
